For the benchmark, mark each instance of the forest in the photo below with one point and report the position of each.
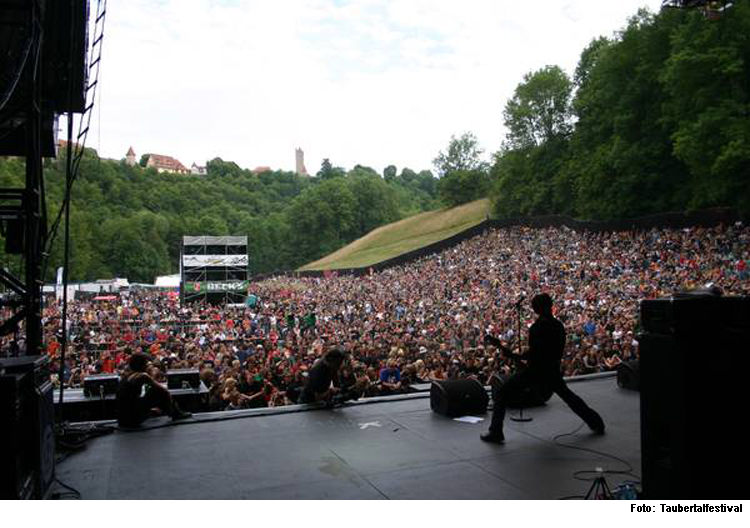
(655, 118)
(128, 221)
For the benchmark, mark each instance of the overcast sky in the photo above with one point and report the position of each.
(372, 82)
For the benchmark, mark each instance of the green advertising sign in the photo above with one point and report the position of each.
(216, 286)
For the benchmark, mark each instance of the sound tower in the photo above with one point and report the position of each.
(458, 397)
(693, 367)
(27, 444)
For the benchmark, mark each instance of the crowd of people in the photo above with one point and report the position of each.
(410, 324)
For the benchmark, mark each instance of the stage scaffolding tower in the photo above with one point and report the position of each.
(213, 269)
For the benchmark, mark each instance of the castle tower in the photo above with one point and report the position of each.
(130, 157)
(300, 162)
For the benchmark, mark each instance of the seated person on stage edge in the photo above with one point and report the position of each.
(132, 408)
(324, 372)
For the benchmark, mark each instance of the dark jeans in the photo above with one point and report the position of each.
(132, 413)
(539, 382)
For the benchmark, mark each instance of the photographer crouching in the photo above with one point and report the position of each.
(324, 382)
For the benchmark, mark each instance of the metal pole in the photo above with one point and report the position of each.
(66, 261)
(32, 199)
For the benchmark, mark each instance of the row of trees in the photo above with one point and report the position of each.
(129, 221)
(656, 118)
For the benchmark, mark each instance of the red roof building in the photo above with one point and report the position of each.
(166, 164)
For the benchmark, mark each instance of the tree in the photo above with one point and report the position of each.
(463, 154)
(328, 171)
(707, 80)
(389, 173)
(539, 109)
(462, 186)
(376, 204)
(321, 220)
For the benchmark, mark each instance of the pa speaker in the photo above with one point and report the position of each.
(628, 375)
(458, 397)
(693, 370)
(64, 51)
(27, 445)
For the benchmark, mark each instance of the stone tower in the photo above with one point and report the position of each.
(130, 157)
(300, 162)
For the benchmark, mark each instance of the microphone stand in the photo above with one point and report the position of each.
(520, 417)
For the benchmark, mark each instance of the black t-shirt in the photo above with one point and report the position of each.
(546, 345)
(318, 380)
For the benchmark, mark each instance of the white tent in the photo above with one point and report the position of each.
(168, 281)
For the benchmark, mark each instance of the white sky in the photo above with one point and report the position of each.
(372, 82)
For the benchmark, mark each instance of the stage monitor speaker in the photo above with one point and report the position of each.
(525, 397)
(100, 384)
(183, 379)
(628, 375)
(27, 445)
(694, 397)
(458, 397)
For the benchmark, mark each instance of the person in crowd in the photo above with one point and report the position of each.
(390, 377)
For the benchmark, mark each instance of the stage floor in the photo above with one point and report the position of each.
(385, 450)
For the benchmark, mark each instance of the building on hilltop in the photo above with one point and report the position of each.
(299, 156)
(165, 164)
(130, 157)
(196, 169)
(261, 169)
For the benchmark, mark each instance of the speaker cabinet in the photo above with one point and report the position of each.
(183, 379)
(458, 397)
(64, 52)
(693, 366)
(27, 445)
(628, 375)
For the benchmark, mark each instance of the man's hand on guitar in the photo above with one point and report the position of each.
(504, 350)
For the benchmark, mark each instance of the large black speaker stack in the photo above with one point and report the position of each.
(63, 69)
(694, 363)
(27, 442)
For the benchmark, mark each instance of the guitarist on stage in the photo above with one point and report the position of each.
(542, 372)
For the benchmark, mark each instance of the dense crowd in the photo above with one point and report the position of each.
(411, 324)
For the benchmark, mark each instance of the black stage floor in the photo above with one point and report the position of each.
(387, 450)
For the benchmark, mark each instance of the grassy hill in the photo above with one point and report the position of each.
(403, 236)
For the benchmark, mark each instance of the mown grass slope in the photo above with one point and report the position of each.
(403, 236)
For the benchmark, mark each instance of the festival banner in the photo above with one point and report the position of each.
(215, 286)
(199, 261)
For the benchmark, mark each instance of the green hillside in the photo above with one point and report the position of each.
(405, 235)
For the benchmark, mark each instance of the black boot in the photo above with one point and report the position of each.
(495, 437)
(595, 423)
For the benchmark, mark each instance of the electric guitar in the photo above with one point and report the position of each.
(507, 352)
